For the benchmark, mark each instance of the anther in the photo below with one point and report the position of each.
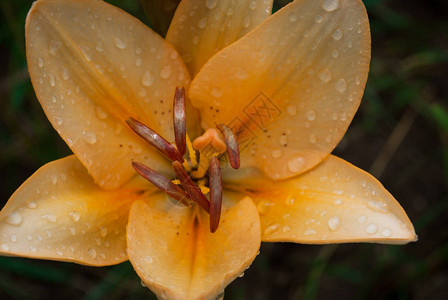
(162, 183)
(179, 117)
(215, 181)
(193, 191)
(156, 140)
(233, 151)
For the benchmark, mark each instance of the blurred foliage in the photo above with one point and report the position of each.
(400, 134)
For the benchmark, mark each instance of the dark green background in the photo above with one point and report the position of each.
(400, 135)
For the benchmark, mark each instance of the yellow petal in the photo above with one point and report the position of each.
(333, 203)
(201, 28)
(92, 67)
(295, 81)
(60, 214)
(176, 256)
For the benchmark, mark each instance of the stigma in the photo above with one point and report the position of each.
(198, 178)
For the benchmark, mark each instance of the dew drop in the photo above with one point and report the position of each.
(334, 223)
(65, 73)
(313, 139)
(195, 40)
(51, 218)
(311, 115)
(4, 247)
(101, 113)
(276, 153)
(341, 85)
(211, 3)
(217, 92)
(309, 232)
(103, 231)
(246, 22)
(330, 5)
(92, 253)
(99, 47)
(75, 216)
(202, 22)
(253, 5)
(32, 205)
(325, 75)
(60, 253)
(290, 201)
(293, 17)
(147, 78)
(378, 205)
(54, 46)
(337, 34)
(40, 62)
(271, 229)
(52, 79)
(296, 164)
(335, 53)
(292, 110)
(283, 140)
(371, 228)
(241, 74)
(14, 218)
(318, 19)
(120, 43)
(386, 232)
(89, 137)
(165, 73)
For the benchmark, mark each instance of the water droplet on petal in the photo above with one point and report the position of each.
(311, 115)
(4, 247)
(371, 228)
(334, 223)
(387, 232)
(65, 73)
(318, 19)
(309, 232)
(147, 78)
(32, 205)
(292, 110)
(89, 137)
(50, 217)
(277, 153)
(120, 43)
(217, 92)
(40, 62)
(293, 17)
(92, 253)
(202, 22)
(211, 3)
(75, 216)
(246, 22)
(101, 113)
(271, 229)
(325, 75)
(165, 73)
(330, 5)
(14, 218)
(337, 34)
(290, 201)
(335, 53)
(378, 205)
(54, 46)
(341, 85)
(296, 164)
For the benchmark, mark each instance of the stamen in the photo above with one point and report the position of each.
(209, 144)
(162, 183)
(215, 180)
(190, 187)
(156, 140)
(179, 116)
(233, 151)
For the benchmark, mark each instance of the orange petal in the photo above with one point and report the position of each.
(201, 28)
(333, 203)
(176, 256)
(60, 214)
(93, 66)
(295, 82)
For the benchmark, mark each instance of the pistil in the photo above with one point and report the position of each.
(191, 186)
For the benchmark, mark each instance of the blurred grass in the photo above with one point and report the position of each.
(402, 125)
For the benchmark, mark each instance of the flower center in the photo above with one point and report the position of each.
(199, 174)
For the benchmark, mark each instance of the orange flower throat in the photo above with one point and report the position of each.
(200, 168)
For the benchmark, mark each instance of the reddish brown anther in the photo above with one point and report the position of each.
(180, 120)
(233, 151)
(162, 183)
(156, 140)
(215, 182)
(193, 191)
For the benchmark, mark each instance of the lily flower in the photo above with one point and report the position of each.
(271, 96)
